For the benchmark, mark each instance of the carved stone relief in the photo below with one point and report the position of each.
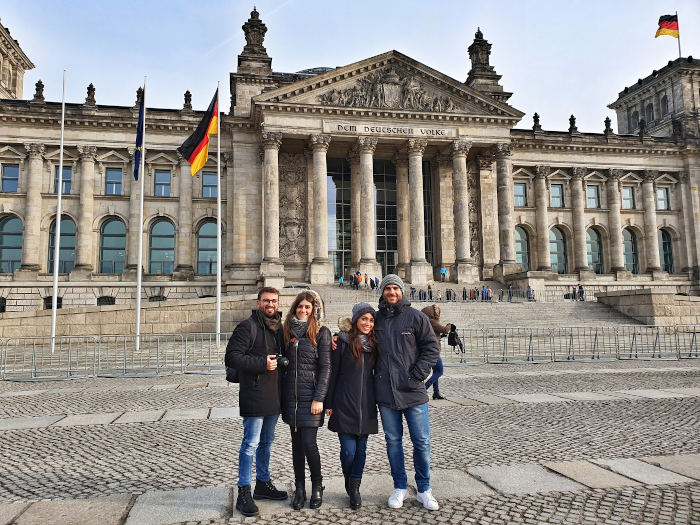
(475, 214)
(293, 225)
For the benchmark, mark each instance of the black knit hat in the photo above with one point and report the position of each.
(361, 309)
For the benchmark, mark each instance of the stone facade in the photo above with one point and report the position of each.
(470, 191)
(13, 64)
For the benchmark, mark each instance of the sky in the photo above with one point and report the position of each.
(558, 57)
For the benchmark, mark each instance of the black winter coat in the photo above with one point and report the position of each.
(408, 350)
(259, 393)
(351, 391)
(306, 379)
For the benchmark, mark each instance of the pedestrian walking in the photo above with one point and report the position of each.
(433, 313)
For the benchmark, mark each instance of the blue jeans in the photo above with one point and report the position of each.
(258, 435)
(438, 371)
(353, 452)
(419, 430)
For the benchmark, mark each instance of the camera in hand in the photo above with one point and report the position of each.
(281, 360)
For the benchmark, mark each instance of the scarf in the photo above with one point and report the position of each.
(273, 323)
(365, 342)
(297, 327)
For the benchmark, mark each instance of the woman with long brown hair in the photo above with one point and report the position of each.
(351, 402)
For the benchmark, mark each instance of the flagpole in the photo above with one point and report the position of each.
(218, 219)
(57, 229)
(139, 265)
(679, 36)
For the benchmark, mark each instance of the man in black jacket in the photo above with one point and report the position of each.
(252, 350)
(408, 350)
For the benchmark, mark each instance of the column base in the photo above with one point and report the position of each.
(658, 274)
(622, 274)
(129, 274)
(184, 273)
(466, 273)
(507, 268)
(321, 272)
(271, 274)
(81, 273)
(239, 277)
(402, 270)
(420, 273)
(370, 267)
(586, 274)
(27, 273)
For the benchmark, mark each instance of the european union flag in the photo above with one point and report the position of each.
(139, 138)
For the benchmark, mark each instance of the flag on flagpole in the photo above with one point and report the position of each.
(668, 25)
(139, 137)
(196, 148)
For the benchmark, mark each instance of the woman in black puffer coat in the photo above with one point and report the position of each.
(304, 388)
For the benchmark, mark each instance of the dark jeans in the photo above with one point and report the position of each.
(353, 452)
(304, 446)
(438, 371)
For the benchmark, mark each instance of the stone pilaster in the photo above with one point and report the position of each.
(443, 215)
(544, 262)
(355, 211)
(617, 261)
(368, 259)
(32, 220)
(690, 247)
(271, 269)
(466, 271)
(132, 235)
(489, 219)
(85, 242)
(228, 239)
(184, 271)
(506, 218)
(403, 225)
(420, 272)
(578, 196)
(321, 267)
(651, 240)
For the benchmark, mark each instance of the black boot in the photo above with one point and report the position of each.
(347, 485)
(316, 495)
(437, 395)
(244, 503)
(355, 498)
(266, 490)
(299, 496)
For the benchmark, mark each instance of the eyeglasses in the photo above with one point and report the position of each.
(269, 301)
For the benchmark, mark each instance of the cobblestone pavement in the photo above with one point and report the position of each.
(97, 460)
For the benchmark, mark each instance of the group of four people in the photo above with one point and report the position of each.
(380, 358)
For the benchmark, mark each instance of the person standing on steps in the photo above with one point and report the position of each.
(433, 313)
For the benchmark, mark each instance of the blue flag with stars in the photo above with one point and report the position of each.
(139, 138)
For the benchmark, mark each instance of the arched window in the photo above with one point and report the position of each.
(557, 250)
(629, 251)
(522, 248)
(634, 122)
(162, 247)
(594, 246)
(66, 255)
(666, 251)
(664, 105)
(206, 248)
(649, 111)
(10, 244)
(112, 246)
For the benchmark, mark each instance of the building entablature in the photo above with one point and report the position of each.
(683, 66)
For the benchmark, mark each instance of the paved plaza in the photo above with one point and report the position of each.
(599, 443)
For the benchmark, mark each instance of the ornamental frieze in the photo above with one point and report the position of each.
(292, 177)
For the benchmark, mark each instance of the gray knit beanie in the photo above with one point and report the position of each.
(361, 309)
(390, 279)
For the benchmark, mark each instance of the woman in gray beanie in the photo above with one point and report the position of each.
(351, 402)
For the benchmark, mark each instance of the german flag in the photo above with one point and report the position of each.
(196, 148)
(668, 25)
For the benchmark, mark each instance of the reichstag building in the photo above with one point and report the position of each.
(384, 165)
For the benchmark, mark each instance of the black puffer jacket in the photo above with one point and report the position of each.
(408, 350)
(351, 391)
(306, 379)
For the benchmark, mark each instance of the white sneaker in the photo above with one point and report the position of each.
(397, 497)
(427, 500)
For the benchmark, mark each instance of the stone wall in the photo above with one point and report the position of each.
(656, 307)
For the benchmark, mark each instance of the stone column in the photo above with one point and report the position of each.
(466, 271)
(544, 262)
(84, 240)
(321, 267)
(183, 255)
(132, 236)
(368, 259)
(690, 247)
(617, 261)
(32, 219)
(578, 196)
(403, 225)
(420, 272)
(228, 240)
(506, 218)
(489, 217)
(651, 240)
(355, 212)
(271, 269)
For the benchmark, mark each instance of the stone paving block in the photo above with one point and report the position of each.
(451, 484)
(491, 399)
(98, 389)
(159, 507)
(465, 401)
(109, 510)
(653, 393)
(224, 412)
(9, 511)
(63, 391)
(74, 420)
(140, 416)
(18, 393)
(21, 423)
(590, 475)
(375, 490)
(694, 392)
(622, 395)
(132, 387)
(191, 386)
(164, 387)
(535, 398)
(586, 396)
(178, 414)
(441, 403)
(684, 464)
(642, 472)
(524, 478)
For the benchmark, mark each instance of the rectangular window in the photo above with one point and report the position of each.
(209, 185)
(557, 192)
(10, 177)
(662, 200)
(113, 181)
(520, 194)
(67, 176)
(627, 198)
(162, 183)
(592, 197)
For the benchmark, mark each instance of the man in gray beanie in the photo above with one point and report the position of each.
(408, 350)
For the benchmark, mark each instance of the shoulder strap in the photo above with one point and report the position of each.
(253, 334)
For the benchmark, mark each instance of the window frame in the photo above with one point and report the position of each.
(62, 264)
(595, 187)
(157, 184)
(623, 199)
(5, 178)
(523, 185)
(151, 248)
(212, 270)
(212, 188)
(667, 198)
(561, 195)
(13, 264)
(108, 183)
(102, 248)
(65, 181)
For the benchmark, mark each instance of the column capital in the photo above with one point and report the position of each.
(650, 175)
(35, 149)
(542, 171)
(181, 161)
(353, 155)
(416, 146)
(87, 152)
(271, 139)
(367, 144)
(614, 174)
(228, 159)
(684, 177)
(503, 150)
(401, 158)
(460, 147)
(319, 142)
(578, 173)
(485, 162)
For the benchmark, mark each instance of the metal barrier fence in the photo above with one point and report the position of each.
(30, 358)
